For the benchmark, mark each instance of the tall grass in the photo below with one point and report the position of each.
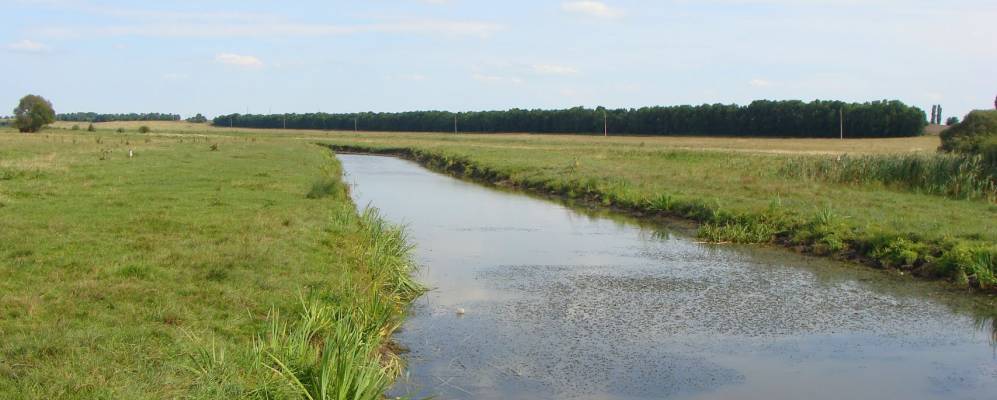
(338, 349)
(953, 175)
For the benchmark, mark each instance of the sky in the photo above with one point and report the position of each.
(218, 57)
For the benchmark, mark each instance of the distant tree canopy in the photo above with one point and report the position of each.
(760, 118)
(952, 121)
(197, 119)
(95, 117)
(32, 113)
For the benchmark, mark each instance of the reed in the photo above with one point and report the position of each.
(954, 175)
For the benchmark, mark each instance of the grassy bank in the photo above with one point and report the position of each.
(190, 272)
(737, 196)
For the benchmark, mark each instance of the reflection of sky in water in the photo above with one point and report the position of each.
(567, 305)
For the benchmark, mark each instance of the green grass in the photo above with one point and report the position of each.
(181, 272)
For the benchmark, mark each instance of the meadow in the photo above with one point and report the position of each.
(202, 267)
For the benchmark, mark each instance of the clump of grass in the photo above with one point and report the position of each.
(954, 175)
(326, 187)
(330, 352)
(969, 264)
(144, 129)
(387, 255)
(737, 232)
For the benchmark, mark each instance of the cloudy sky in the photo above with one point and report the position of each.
(224, 56)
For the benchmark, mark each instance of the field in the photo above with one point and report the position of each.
(182, 271)
(186, 270)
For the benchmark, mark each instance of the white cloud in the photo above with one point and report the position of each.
(407, 77)
(592, 8)
(28, 46)
(759, 83)
(272, 29)
(239, 60)
(497, 79)
(553, 69)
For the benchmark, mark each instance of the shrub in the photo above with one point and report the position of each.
(121, 130)
(32, 113)
(969, 135)
(76, 127)
(144, 129)
(90, 128)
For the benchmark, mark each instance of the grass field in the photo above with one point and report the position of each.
(185, 271)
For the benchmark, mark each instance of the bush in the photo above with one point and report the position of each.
(121, 130)
(76, 127)
(969, 135)
(32, 113)
(144, 129)
(91, 128)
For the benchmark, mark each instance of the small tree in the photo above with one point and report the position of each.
(952, 121)
(32, 113)
(90, 128)
(939, 114)
(197, 119)
(144, 129)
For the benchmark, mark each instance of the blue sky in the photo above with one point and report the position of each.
(218, 57)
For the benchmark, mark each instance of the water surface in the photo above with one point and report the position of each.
(561, 303)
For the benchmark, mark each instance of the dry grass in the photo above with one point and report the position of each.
(928, 143)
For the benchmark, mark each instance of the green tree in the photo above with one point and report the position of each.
(32, 113)
(952, 121)
(197, 119)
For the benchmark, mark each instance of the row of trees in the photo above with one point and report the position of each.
(95, 117)
(760, 118)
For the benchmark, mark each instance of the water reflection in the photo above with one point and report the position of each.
(568, 303)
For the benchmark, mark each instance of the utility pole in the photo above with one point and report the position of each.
(605, 124)
(355, 123)
(841, 122)
(285, 120)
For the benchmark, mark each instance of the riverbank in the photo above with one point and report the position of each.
(196, 267)
(735, 197)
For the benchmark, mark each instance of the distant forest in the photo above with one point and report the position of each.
(760, 118)
(95, 117)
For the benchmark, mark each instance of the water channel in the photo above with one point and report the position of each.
(561, 302)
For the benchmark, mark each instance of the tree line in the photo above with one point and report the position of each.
(95, 117)
(790, 118)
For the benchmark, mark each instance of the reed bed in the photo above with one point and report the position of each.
(954, 175)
